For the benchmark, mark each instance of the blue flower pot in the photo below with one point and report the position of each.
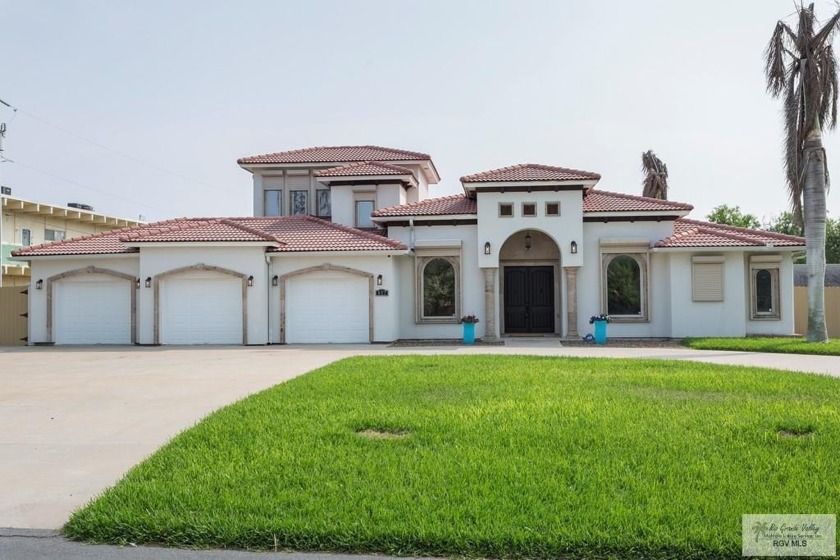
(600, 332)
(469, 333)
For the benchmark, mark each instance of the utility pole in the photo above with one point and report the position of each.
(2, 200)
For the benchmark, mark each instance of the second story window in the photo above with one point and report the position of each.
(322, 203)
(272, 203)
(25, 237)
(364, 208)
(54, 235)
(297, 202)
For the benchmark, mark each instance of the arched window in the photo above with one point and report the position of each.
(624, 282)
(764, 286)
(763, 291)
(439, 288)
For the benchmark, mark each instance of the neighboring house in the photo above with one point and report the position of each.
(347, 246)
(24, 223)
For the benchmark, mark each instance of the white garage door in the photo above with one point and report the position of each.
(93, 310)
(328, 307)
(201, 309)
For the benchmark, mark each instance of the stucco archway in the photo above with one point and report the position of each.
(530, 284)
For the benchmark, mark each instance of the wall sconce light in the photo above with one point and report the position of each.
(148, 281)
(39, 285)
(379, 280)
(275, 280)
(250, 281)
(137, 283)
(528, 240)
(574, 247)
(487, 248)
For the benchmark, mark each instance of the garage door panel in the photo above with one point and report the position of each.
(201, 310)
(327, 308)
(92, 311)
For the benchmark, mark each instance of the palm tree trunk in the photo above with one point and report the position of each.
(813, 202)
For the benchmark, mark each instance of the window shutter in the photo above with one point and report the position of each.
(707, 279)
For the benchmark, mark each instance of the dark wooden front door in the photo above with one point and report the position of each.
(529, 299)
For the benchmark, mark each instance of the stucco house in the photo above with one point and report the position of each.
(346, 245)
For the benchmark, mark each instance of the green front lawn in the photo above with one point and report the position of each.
(766, 344)
(491, 456)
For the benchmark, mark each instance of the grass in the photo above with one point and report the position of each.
(780, 345)
(489, 456)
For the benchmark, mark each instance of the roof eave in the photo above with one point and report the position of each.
(664, 214)
(141, 243)
(477, 185)
(738, 249)
(430, 217)
(347, 252)
(407, 178)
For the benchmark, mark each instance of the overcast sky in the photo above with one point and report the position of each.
(185, 88)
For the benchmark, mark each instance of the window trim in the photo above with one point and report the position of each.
(642, 258)
(772, 264)
(526, 204)
(559, 211)
(420, 265)
(507, 205)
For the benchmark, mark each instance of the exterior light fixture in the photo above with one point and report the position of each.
(137, 283)
(148, 281)
(39, 285)
(379, 280)
(250, 281)
(574, 247)
(487, 248)
(275, 280)
(528, 240)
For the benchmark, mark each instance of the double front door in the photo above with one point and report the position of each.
(529, 299)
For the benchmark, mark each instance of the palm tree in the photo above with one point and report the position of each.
(801, 68)
(655, 184)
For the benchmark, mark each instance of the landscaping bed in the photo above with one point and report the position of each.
(489, 456)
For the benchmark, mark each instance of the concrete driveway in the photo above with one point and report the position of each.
(75, 420)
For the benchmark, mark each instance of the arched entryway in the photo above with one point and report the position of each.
(530, 284)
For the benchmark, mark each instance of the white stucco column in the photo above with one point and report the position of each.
(571, 302)
(490, 303)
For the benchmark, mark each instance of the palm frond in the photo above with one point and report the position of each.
(774, 65)
(655, 183)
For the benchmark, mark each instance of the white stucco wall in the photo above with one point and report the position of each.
(44, 268)
(248, 260)
(385, 308)
(591, 283)
(563, 229)
(472, 281)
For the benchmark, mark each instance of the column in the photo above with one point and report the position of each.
(571, 302)
(490, 303)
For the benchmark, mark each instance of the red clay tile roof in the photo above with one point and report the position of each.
(604, 201)
(697, 234)
(288, 233)
(307, 233)
(197, 230)
(363, 168)
(444, 206)
(530, 172)
(594, 201)
(327, 154)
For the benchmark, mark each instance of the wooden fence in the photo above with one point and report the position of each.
(13, 315)
(832, 310)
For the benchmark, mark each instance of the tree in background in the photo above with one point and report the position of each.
(801, 68)
(732, 216)
(655, 183)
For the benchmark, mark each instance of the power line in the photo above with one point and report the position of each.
(111, 150)
(88, 187)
